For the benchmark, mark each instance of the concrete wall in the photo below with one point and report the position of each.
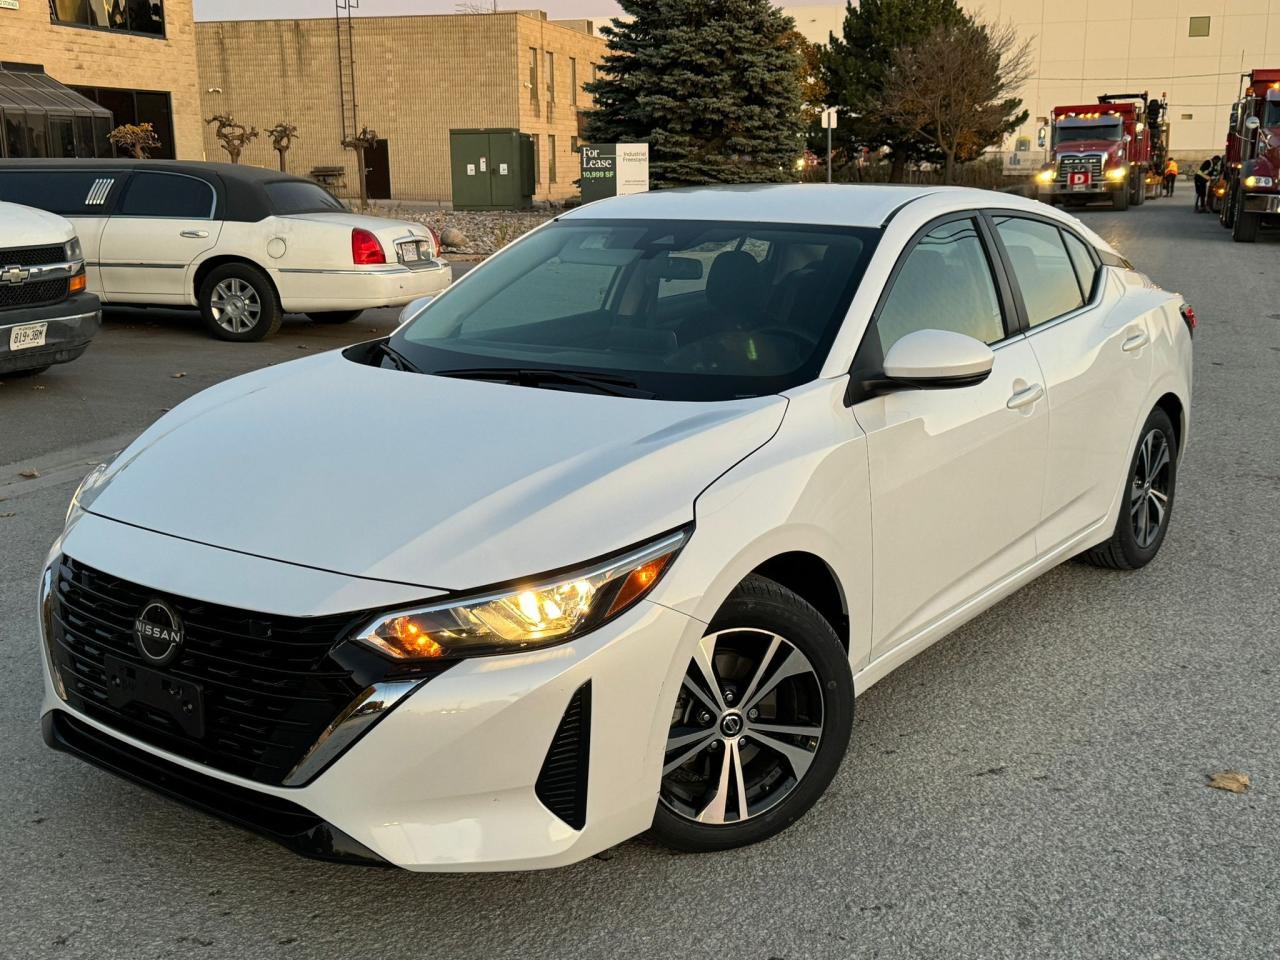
(417, 78)
(81, 57)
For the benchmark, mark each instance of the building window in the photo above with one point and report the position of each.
(533, 73)
(573, 144)
(127, 16)
(537, 159)
(551, 75)
(573, 80)
(551, 158)
(1199, 27)
(138, 106)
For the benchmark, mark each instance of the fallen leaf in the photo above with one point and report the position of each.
(178, 376)
(29, 474)
(1229, 780)
(38, 386)
(6, 516)
(165, 409)
(302, 346)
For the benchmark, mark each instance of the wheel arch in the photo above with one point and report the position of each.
(205, 267)
(811, 578)
(1172, 404)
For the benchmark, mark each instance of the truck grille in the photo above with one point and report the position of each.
(32, 294)
(269, 687)
(1080, 161)
(32, 256)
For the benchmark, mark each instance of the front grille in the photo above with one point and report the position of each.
(269, 685)
(562, 782)
(1081, 161)
(32, 294)
(32, 256)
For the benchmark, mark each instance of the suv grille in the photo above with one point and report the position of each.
(1082, 161)
(32, 294)
(32, 256)
(269, 687)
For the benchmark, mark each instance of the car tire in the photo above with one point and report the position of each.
(778, 664)
(238, 302)
(1245, 228)
(1120, 198)
(335, 316)
(1149, 495)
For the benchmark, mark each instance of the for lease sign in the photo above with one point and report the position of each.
(613, 169)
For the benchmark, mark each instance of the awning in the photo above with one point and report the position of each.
(39, 117)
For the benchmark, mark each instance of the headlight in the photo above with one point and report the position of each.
(1117, 173)
(88, 490)
(524, 617)
(1252, 181)
(1046, 176)
(73, 251)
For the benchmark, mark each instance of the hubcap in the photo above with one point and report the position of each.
(236, 305)
(1149, 492)
(745, 728)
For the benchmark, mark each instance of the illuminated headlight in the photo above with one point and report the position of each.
(88, 491)
(1046, 176)
(524, 617)
(1117, 173)
(73, 251)
(1252, 181)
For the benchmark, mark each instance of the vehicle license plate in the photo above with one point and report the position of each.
(409, 251)
(1078, 180)
(27, 335)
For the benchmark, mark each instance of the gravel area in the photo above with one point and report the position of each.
(482, 232)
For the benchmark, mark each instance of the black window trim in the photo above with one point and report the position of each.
(124, 192)
(989, 214)
(865, 369)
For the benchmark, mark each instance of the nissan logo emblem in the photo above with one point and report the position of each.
(158, 632)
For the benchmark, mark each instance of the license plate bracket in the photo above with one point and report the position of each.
(128, 683)
(27, 335)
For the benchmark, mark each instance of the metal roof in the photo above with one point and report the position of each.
(36, 92)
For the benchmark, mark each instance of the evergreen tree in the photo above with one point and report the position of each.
(712, 85)
(857, 63)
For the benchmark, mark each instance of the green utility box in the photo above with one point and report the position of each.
(492, 169)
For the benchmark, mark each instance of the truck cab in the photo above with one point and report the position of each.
(1100, 151)
(1250, 186)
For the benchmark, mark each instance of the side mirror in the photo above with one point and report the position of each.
(414, 307)
(1252, 123)
(1127, 138)
(937, 359)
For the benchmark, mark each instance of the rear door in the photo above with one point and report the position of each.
(162, 223)
(1096, 362)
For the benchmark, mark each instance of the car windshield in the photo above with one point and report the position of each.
(297, 196)
(688, 310)
(1073, 130)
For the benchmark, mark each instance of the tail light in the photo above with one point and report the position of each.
(1189, 315)
(365, 248)
(435, 241)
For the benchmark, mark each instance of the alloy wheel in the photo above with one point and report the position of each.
(745, 728)
(236, 305)
(1149, 492)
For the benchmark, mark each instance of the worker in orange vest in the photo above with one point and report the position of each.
(1170, 176)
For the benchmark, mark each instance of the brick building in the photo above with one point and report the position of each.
(134, 57)
(416, 78)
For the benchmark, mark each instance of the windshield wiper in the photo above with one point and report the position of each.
(532, 376)
(398, 358)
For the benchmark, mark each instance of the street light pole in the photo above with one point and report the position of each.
(829, 121)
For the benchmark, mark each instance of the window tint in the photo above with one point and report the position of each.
(167, 195)
(65, 193)
(1086, 269)
(1042, 268)
(945, 284)
(296, 196)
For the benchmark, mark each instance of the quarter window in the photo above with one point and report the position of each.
(167, 195)
(1042, 268)
(1086, 268)
(945, 284)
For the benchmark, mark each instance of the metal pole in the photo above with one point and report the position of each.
(828, 153)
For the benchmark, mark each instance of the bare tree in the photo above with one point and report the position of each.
(233, 136)
(137, 138)
(282, 136)
(958, 88)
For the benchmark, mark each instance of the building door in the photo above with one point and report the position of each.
(377, 171)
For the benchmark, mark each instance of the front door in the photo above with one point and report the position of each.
(956, 474)
(163, 222)
(377, 171)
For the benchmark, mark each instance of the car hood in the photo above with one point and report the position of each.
(27, 227)
(440, 483)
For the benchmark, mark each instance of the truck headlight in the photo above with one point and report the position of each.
(1252, 181)
(523, 617)
(72, 250)
(1118, 173)
(1046, 176)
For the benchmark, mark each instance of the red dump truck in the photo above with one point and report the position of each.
(1112, 150)
(1249, 188)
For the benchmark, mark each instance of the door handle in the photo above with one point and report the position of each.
(1135, 341)
(194, 234)
(1025, 397)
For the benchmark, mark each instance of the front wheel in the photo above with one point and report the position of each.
(760, 725)
(1245, 229)
(1148, 502)
(1120, 198)
(335, 316)
(238, 302)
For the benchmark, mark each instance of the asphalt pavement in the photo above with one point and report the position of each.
(1032, 786)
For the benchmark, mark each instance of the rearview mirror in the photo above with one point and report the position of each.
(936, 359)
(414, 307)
(681, 268)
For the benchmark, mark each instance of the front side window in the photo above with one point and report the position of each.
(697, 310)
(944, 284)
(1041, 267)
(298, 196)
(129, 16)
(167, 195)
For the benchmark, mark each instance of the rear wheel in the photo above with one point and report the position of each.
(760, 725)
(238, 302)
(335, 316)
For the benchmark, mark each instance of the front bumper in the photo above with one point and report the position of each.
(449, 778)
(1264, 203)
(71, 325)
(359, 288)
(1095, 189)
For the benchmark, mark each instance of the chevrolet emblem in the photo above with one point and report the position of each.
(14, 275)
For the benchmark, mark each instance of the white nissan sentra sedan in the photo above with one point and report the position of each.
(607, 537)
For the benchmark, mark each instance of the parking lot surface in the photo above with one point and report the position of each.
(1032, 786)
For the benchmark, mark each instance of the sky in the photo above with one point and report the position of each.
(289, 9)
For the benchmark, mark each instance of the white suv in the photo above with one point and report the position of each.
(244, 244)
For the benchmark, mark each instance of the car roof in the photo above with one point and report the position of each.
(229, 172)
(840, 204)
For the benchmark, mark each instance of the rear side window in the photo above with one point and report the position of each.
(1086, 268)
(295, 196)
(1042, 268)
(167, 195)
(70, 194)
